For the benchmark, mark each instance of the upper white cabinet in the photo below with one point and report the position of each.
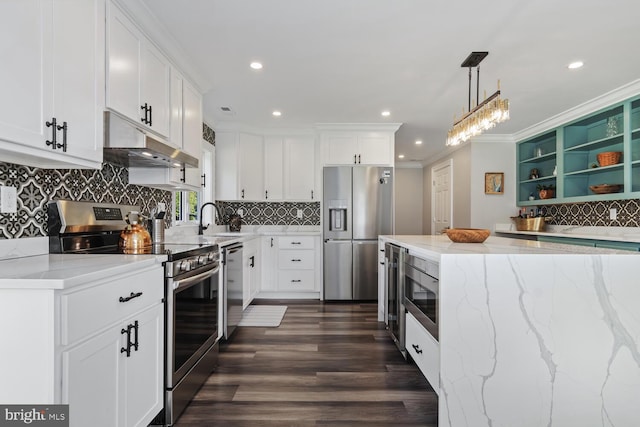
(137, 74)
(186, 134)
(274, 168)
(50, 82)
(358, 144)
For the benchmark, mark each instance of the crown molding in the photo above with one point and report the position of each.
(383, 127)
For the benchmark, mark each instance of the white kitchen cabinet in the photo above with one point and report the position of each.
(226, 165)
(250, 167)
(186, 134)
(54, 69)
(138, 74)
(273, 168)
(424, 350)
(300, 169)
(357, 148)
(250, 270)
(290, 266)
(68, 348)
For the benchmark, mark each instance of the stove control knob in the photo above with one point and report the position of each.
(202, 259)
(210, 256)
(184, 265)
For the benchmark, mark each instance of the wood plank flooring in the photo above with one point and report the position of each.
(327, 364)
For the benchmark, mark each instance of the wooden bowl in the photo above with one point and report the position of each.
(606, 188)
(468, 235)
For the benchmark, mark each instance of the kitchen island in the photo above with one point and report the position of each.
(535, 334)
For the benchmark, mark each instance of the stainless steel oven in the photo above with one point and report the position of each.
(192, 303)
(422, 291)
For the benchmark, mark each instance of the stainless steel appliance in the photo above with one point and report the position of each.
(191, 289)
(232, 288)
(421, 290)
(357, 208)
(395, 292)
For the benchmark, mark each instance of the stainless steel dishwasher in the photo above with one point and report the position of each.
(232, 288)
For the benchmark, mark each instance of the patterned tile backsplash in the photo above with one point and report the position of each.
(595, 213)
(273, 213)
(36, 187)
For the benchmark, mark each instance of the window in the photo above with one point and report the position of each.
(187, 203)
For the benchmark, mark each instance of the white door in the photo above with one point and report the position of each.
(441, 203)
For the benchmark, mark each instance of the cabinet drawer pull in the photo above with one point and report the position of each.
(296, 260)
(53, 142)
(296, 280)
(296, 243)
(130, 297)
(416, 348)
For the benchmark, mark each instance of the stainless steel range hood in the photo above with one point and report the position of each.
(128, 145)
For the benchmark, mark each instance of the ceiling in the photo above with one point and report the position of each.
(345, 61)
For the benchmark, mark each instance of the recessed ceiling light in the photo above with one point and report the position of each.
(256, 65)
(418, 142)
(401, 156)
(277, 113)
(386, 113)
(575, 65)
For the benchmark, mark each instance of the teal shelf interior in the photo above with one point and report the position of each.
(635, 177)
(538, 147)
(594, 128)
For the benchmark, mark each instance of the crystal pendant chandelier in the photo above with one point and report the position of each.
(485, 115)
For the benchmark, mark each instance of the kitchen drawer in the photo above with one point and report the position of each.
(296, 242)
(296, 280)
(94, 308)
(424, 350)
(296, 260)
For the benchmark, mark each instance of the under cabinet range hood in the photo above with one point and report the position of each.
(128, 145)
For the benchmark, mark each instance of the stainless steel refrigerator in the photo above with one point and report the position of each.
(357, 208)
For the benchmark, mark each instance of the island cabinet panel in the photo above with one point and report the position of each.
(596, 157)
(424, 350)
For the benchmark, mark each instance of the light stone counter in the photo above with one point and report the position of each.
(616, 234)
(536, 334)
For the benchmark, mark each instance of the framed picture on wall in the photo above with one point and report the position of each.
(494, 183)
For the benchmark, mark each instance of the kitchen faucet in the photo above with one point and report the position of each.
(217, 214)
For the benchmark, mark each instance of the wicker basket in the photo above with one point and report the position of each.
(530, 224)
(609, 158)
(468, 235)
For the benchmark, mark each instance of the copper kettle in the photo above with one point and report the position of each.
(134, 239)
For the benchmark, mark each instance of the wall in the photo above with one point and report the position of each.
(408, 200)
(36, 187)
(489, 209)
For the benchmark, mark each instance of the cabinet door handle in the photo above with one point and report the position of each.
(204, 180)
(266, 194)
(63, 128)
(252, 261)
(296, 260)
(128, 348)
(296, 280)
(130, 297)
(382, 263)
(150, 116)
(53, 142)
(358, 158)
(311, 194)
(135, 329)
(416, 348)
(183, 178)
(145, 107)
(243, 193)
(272, 242)
(354, 159)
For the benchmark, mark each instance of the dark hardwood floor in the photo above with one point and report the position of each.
(327, 364)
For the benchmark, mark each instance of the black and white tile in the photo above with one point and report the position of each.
(36, 187)
(273, 213)
(595, 213)
(208, 134)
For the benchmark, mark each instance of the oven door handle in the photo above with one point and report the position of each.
(190, 281)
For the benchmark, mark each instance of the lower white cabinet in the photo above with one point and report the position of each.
(250, 271)
(290, 265)
(98, 347)
(424, 350)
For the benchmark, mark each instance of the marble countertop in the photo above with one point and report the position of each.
(59, 271)
(432, 247)
(617, 234)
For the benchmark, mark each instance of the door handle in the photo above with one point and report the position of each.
(53, 142)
